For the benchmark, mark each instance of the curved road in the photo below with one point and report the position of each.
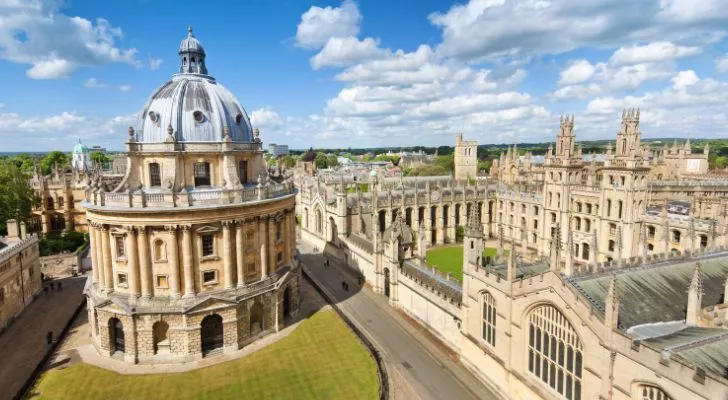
(429, 370)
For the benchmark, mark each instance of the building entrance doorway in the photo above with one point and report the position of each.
(211, 334)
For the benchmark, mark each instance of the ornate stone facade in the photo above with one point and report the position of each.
(193, 252)
(20, 276)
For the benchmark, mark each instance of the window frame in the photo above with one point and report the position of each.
(155, 177)
(205, 178)
(205, 281)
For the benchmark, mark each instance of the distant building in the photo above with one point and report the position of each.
(466, 158)
(80, 158)
(278, 149)
(19, 272)
(97, 148)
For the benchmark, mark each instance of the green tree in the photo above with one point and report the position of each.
(288, 161)
(447, 162)
(332, 161)
(16, 195)
(99, 158)
(55, 157)
(322, 161)
(23, 161)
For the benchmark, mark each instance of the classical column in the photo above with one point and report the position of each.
(108, 273)
(132, 257)
(92, 246)
(145, 265)
(187, 260)
(272, 259)
(262, 239)
(98, 250)
(287, 239)
(227, 253)
(173, 262)
(240, 252)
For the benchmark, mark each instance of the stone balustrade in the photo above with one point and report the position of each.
(185, 198)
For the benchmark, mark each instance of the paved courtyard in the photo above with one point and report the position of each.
(23, 344)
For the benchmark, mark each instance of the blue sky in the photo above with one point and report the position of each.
(370, 73)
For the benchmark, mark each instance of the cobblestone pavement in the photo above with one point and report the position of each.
(416, 363)
(23, 344)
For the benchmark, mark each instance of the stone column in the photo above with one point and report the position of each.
(240, 252)
(92, 245)
(145, 265)
(173, 262)
(108, 273)
(131, 256)
(272, 259)
(286, 223)
(98, 250)
(440, 230)
(262, 239)
(227, 253)
(187, 260)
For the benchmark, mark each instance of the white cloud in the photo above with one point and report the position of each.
(265, 118)
(684, 79)
(155, 63)
(575, 92)
(578, 71)
(721, 65)
(125, 88)
(653, 52)
(343, 51)
(318, 24)
(55, 45)
(491, 29)
(93, 83)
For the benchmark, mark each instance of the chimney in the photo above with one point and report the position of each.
(13, 231)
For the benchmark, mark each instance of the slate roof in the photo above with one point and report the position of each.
(657, 293)
(706, 348)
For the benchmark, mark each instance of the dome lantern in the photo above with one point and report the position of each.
(192, 55)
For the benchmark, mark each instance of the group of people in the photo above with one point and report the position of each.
(53, 286)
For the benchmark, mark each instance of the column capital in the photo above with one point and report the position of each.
(103, 228)
(142, 230)
(228, 223)
(186, 227)
(130, 228)
(170, 228)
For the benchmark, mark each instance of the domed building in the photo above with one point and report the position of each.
(194, 251)
(80, 157)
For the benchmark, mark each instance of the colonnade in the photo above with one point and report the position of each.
(138, 253)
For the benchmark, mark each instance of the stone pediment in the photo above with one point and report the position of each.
(115, 306)
(209, 303)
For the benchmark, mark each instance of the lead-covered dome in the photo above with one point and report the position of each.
(193, 106)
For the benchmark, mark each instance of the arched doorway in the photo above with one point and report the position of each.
(159, 336)
(211, 333)
(287, 302)
(386, 282)
(256, 319)
(332, 230)
(382, 215)
(116, 333)
(585, 251)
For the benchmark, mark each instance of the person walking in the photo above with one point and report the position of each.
(49, 337)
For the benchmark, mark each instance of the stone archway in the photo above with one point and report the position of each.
(332, 231)
(256, 319)
(159, 336)
(386, 282)
(211, 334)
(116, 336)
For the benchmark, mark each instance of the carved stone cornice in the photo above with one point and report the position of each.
(228, 223)
(142, 230)
(171, 228)
(186, 227)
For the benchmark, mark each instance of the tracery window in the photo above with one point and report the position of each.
(555, 351)
(489, 317)
(649, 392)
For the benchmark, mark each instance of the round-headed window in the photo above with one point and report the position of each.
(238, 118)
(154, 117)
(199, 116)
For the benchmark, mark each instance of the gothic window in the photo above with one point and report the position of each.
(609, 207)
(578, 206)
(534, 238)
(202, 174)
(703, 241)
(60, 202)
(577, 224)
(155, 175)
(649, 392)
(551, 198)
(49, 203)
(535, 224)
(558, 200)
(120, 251)
(619, 209)
(651, 232)
(585, 251)
(611, 245)
(587, 225)
(553, 218)
(208, 245)
(523, 208)
(612, 229)
(676, 236)
(588, 208)
(555, 351)
(243, 171)
(535, 210)
(489, 319)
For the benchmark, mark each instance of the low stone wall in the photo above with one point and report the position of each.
(63, 264)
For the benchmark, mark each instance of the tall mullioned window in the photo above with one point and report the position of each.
(555, 351)
(155, 175)
(208, 245)
(649, 392)
(489, 317)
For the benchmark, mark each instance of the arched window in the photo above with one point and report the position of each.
(155, 175)
(202, 174)
(609, 207)
(555, 351)
(243, 171)
(587, 225)
(585, 251)
(676, 236)
(49, 203)
(71, 202)
(619, 209)
(489, 319)
(649, 392)
(319, 221)
(60, 202)
(577, 223)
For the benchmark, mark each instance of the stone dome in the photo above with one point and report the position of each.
(193, 106)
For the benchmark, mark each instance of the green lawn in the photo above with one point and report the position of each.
(450, 259)
(321, 359)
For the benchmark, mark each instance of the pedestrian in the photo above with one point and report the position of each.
(59, 285)
(53, 286)
(346, 286)
(343, 284)
(49, 337)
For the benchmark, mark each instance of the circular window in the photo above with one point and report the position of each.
(199, 117)
(154, 117)
(238, 118)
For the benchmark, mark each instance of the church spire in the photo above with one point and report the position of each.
(695, 297)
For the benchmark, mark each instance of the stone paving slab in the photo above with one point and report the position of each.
(23, 345)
